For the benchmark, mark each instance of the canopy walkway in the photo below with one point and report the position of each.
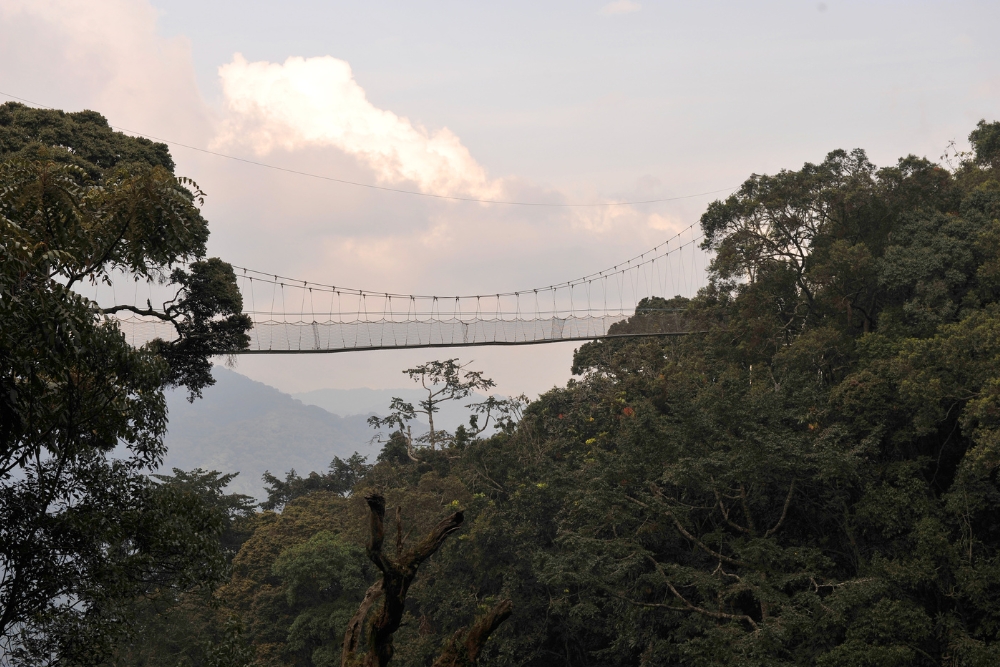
(297, 317)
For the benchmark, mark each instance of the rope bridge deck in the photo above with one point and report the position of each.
(283, 337)
(295, 316)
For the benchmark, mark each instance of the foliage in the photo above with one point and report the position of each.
(340, 479)
(447, 381)
(985, 140)
(83, 530)
(207, 314)
(171, 625)
(260, 595)
(234, 510)
(93, 147)
(443, 381)
(325, 579)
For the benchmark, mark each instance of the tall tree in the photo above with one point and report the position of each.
(446, 381)
(81, 530)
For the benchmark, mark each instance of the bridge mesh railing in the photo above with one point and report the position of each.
(439, 332)
(297, 316)
(271, 336)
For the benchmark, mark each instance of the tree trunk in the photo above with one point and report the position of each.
(460, 653)
(397, 575)
(430, 418)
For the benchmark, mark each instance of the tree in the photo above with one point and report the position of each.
(397, 575)
(447, 381)
(259, 590)
(324, 580)
(235, 510)
(810, 477)
(207, 314)
(985, 140)
(92, 145)
(98, 202)
(82, 532)
(171, 624)
(800, 504)
(340, 479)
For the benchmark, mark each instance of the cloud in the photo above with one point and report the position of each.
(665, 223)
(314, 109)
(110, 56)
(315, 102)
(621, 7)
(106, 56)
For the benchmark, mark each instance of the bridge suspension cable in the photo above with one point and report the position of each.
(297, 316)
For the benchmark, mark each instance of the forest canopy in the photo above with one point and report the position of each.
(811, 479)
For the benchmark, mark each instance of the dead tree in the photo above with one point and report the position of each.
(464, 646)
(462, 649)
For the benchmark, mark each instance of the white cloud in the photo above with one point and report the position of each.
(621, 7)
(665, 223)
(315, 102)
(103, 55)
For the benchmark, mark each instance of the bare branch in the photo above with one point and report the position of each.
(399, 531)
(746, 509)
(409, 445)
(355, 627)
(397, 575)
(465, 654)
(138, 311)
(683, 531)
(784, 511)
(432, 541)
(376, 504)
(485, 626)
(655, 605)
(725, 514)
(704, 612)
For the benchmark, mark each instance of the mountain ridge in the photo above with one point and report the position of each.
(248, 427)
(241, 425)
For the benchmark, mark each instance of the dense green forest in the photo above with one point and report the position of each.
(811, 478)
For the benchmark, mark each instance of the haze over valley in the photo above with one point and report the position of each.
(241, 425)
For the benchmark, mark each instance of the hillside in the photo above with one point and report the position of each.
(362, 401)
(245, 426)
(248, 427)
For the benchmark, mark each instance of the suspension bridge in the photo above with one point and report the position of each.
(292, 316)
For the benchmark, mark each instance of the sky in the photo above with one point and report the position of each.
(555, 102)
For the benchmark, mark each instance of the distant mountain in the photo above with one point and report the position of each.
(351, 402)
(244, 426)
(347, 402)
(248, 427)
